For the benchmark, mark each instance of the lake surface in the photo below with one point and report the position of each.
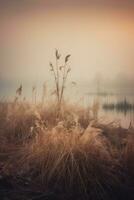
(114, 107)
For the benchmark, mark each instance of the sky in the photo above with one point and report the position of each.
(99, 35)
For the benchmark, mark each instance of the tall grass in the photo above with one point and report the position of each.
(60, 75)
(75, 158)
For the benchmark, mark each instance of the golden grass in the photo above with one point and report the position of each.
(70, 155)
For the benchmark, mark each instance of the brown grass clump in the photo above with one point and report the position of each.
(67, 162)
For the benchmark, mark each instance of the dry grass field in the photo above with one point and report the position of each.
(71, 156)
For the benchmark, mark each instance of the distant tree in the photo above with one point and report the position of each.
(44, 92)
(19, 90)
(98, 81)
(34, 94)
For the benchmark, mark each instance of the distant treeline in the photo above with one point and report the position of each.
(122, 106)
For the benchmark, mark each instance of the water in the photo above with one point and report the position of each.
(114, 107)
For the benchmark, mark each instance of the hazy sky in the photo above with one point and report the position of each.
(98, 34)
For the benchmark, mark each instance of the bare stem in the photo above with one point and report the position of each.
(57, 79)
(63, 82)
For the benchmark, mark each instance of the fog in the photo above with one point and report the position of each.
(99, 37)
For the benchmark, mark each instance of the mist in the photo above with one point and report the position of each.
(100, 39)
